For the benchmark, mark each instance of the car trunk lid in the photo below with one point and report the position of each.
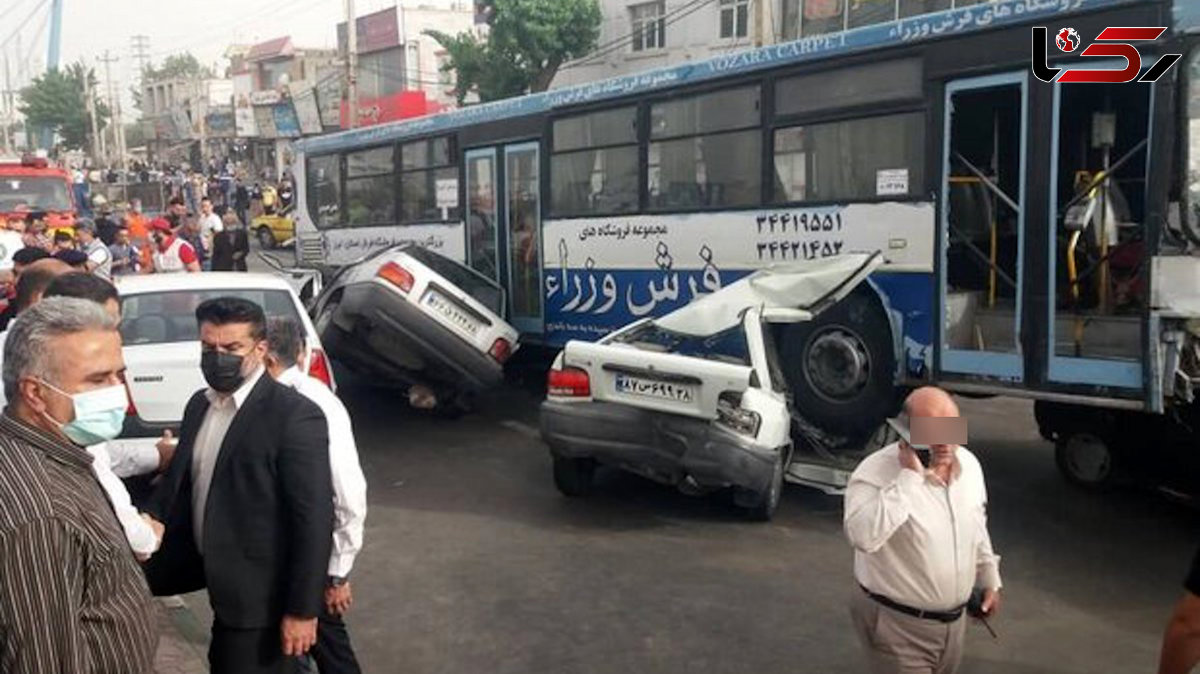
(652, 380)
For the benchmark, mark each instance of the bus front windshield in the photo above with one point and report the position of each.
(33, 193)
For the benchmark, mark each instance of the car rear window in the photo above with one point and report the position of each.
(167, 317)
(483, 289)
(728, 346)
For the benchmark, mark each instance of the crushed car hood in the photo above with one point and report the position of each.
(810, 285)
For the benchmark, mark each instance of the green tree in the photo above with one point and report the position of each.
(178, 67)
(527, 42)
(57, 99)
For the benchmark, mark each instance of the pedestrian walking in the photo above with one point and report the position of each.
(126, 258)
(231, 245)
(71, 598)
(241, 200)
(171, 253)
(99, 258)
(208, 224)
(285, 355)
(915, 512)
(250, 487)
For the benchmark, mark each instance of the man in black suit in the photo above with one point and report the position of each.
(247, 500)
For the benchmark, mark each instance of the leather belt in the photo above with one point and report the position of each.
(939, 616)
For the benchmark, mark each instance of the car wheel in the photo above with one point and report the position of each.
(761, 506)
(841, 366)
(574, 477)
(1086, 458)
(265, 237)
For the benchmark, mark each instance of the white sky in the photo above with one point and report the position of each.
(204, 27)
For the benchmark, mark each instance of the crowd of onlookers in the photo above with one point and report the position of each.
(226, 185)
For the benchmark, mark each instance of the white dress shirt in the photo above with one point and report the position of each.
(918, 541)
(141, 537)
(349, 485)
(221, 411)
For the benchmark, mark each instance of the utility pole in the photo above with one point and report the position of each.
(351, 64)
(90, 103)
(140, 48)
(200, 110)
(114, 107)
(6, 108)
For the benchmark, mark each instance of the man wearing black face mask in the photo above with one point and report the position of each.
(249, 490)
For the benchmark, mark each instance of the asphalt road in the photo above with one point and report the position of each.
(474, 562)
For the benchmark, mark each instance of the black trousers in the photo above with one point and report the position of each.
(333, 653)
(248, 651)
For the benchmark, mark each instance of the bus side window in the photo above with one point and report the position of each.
(594, 163)
(706, 150)
(325, 190)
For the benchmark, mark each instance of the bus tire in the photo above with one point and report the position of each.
(1087, 458)
(841, 365)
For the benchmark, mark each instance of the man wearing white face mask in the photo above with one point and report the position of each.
(143, 533)
(63, 557)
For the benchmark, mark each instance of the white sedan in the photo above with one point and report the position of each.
(162, 342)
(697, 398)
(409, 316)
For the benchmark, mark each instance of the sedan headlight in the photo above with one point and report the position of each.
(732, 416)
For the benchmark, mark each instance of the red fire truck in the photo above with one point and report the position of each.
(32, 185)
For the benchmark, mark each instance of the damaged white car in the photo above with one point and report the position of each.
(413, 318)
(697, 398)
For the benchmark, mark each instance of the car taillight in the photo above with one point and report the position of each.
(501, 350)
(131, 408)
(731, 415)
(569, 382)
(318, 367)
(397, 276)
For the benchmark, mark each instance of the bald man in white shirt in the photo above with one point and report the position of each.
(921, 545)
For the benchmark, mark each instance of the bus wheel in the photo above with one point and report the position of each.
(265, 238)
(1086, 458)
(841, 366)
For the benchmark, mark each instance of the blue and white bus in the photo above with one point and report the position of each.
(1038, 236)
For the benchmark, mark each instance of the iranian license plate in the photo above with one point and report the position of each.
(450, 311)
(654, 388)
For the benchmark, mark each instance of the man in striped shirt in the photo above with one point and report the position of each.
(72, 597)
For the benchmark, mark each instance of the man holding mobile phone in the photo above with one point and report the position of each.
(915, 512)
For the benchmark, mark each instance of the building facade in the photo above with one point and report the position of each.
(187, 119)
(637, 35)
(399, 72)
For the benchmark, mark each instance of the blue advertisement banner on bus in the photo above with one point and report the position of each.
(602, 273)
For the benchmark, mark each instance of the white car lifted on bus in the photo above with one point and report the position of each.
(409, 316)
(697, 398)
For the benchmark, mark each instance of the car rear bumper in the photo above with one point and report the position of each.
(664, 447)
(380, 324)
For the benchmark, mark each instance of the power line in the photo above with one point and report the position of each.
(21, 26)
